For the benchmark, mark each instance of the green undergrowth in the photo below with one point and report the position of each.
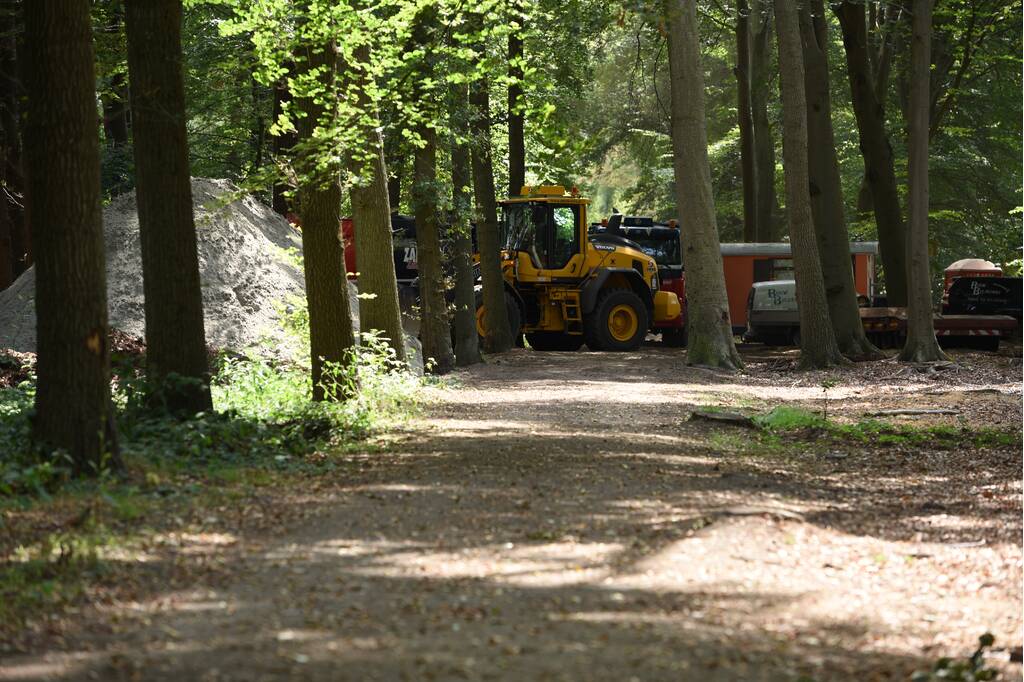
(793, 421)
(263, 418)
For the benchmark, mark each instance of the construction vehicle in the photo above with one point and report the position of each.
(564, 287)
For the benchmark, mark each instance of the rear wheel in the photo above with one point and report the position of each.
(514, 318)
(617, 323)
(554, 341)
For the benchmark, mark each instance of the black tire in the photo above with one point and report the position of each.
(674, 337)
(515, 318)
(554, 341)
(625, 306)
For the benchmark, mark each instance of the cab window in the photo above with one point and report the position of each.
(565, 236)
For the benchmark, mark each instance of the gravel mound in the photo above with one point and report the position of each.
(248, 268)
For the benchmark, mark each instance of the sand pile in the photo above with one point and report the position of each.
(247, 262)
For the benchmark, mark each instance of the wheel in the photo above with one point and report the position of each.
(617, 323)
(674, 337)
(514, 318)
(554, 341)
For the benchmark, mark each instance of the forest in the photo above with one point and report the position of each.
(520, 340)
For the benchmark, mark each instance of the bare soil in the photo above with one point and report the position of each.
(557, 516)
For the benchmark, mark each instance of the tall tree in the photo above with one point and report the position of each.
(818, 346)
(498, 337)
(114, 98)
(760, 33)
(371, 216)
(467, 343)
(921, 345)
(745, 120)
(516, 139)
(13, 234)
(876, 149)
(330, 324)
(434, 330)
(73, 407)
(709, 327)
(281, 141)
(826, 189)
(178, 373)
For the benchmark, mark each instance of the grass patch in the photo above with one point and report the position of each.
(791, 420)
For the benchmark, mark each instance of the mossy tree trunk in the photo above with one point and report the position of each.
(876, 149)
(827, 192)
(330, 322)
(921, 345)
(708, 325)
(467, 343)
(73, 407)
(818, 347)
(177, 369)
(499, 337)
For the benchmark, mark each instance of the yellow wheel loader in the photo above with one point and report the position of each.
(564, 288)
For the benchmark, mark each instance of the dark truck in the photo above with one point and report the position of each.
(661, 242)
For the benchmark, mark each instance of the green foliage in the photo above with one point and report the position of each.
(972, 669)
(264, 418)
(784, 419)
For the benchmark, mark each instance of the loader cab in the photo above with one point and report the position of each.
(544, 234)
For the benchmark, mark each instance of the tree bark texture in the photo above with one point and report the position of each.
(818, 346)
(435, 331)
(516, 121)
(115, 100)
(499, 336)
(280, 145)
(330, 323)
(467, 341)
(826, 189)
(707, 307)
(748, 167)
(394, 162)
(921, 345)
(15, 245)
(876, 149)
(178, 373)
(760, 30)
(73, 407)
(371, 217)
(375, 252)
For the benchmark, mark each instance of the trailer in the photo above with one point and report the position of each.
(773, 318)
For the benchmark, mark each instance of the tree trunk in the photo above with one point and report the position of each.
(435, 331)
(115, 101)
(15, 245)
(73, 406)
(516, 140)
(498, 337)
(877, 151)
(760, 29)
(330, 323)
(921, 346)
(178, 374)
(393, 162)
(826, 190)
(467, 341)
(748, 167)
(281, 145)
(371, 216)
(375, 253)
(707, 306)
(818, 346)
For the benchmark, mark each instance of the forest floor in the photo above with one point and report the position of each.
(558, 516)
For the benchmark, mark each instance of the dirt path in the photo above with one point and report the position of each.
(556, 518)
